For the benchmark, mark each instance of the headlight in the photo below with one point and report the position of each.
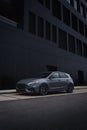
(32, 83)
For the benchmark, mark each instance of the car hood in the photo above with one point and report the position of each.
(26, 81)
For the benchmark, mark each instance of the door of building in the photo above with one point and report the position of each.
(80, 77)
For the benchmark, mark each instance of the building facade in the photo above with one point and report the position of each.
(42, 35)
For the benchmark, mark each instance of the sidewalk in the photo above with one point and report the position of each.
(7, 91)
(80, 87)
(14, 90)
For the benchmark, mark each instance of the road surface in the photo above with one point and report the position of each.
(52, 112)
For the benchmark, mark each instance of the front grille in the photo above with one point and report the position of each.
(23, 88)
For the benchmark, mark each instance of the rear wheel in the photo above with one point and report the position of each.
(70, 88)
(43, 90)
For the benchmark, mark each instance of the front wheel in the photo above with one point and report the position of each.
(43, 90)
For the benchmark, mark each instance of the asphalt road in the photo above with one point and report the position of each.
(65, 112)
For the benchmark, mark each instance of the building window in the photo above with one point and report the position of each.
(85, 49)
(81, 27)
(56, 9)
(75, 4)
(47, 4)
(82, 10)
(40, 27)
(85, 30)
(71, 43)
(10, 9)
(74, 22)
(68, 1)
(78, 5)
(41, 1)
(7, 9)
(32, 23)
(72, 2)
(48, 30)
(54, 33)
(86, 13)
(62, 39)
(79, 47)
(66, 16)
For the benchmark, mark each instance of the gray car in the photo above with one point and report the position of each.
(48, 82)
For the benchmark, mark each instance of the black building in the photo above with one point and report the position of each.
(41, 35)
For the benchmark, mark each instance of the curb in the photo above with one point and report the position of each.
(7, 91)
(79, 87)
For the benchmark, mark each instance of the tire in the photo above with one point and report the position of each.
(70, 88)
(43, 90)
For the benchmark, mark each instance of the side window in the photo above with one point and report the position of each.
(62, 75)
(55, 75)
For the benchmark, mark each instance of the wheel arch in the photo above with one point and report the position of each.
(70, 86)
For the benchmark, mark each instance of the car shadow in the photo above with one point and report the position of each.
(35, 94)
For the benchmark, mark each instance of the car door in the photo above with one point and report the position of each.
(54, 81)
(63, 80)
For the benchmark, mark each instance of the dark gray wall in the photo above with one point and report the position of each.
(23, 55)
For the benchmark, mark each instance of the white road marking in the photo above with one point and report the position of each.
(15, 96)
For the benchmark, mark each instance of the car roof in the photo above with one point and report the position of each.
(54, 72)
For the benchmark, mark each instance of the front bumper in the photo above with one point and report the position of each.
(23, 88)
